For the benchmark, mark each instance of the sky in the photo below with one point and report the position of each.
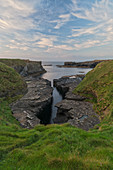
(56, 30)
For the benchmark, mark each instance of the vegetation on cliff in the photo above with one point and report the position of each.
(25, 67)
(97, 86)
(11, 83)
(57, 146)
(14, 62)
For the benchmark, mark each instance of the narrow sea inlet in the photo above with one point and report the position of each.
(54, 72)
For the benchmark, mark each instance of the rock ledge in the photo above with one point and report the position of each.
(74, 109)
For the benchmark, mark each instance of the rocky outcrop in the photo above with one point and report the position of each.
(25, 67)
(66, 84)
(32, 68)
(86, 64)
(31, 108)
(74, 109)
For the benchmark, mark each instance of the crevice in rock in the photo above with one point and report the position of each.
(35, 106)
(73, 108)
(45, 114)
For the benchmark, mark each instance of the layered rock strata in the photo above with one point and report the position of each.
(74, 109)
(31, 68)
(29, 108)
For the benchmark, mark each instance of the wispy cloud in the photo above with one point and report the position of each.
(61, 21)
(55, 26)
(15, 15)
(100, 29)
(99, 11)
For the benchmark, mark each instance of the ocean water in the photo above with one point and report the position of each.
(54, 72)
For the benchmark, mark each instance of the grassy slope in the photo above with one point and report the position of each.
(98, 87)
(11, 84)
(14, 62)
(53, 146)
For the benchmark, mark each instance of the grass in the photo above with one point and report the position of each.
(97, 86)
(54, 147)
(14, 62)
(11, 83)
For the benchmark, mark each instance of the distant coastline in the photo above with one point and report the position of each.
(85, 64)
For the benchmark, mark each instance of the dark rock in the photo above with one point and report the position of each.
(27, 110)
(66, 84)
(77, 113)
(29, 68)
(19, 68)
(34, 69)
(86, 64)
(74, 109)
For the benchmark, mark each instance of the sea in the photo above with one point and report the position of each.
(54, 72)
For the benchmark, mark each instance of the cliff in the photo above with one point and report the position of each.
(25, 67)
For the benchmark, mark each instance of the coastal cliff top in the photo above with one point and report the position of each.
(25, 67)
(17, 62)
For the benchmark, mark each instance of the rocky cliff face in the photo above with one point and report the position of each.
(25, 67)
(33, 68)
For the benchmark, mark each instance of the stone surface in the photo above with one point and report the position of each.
(74, 109)
(32, 68)
(77, 113)
(29, 108)
(66, 84)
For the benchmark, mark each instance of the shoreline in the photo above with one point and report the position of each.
(85, 64)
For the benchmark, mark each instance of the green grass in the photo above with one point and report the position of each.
(14, 62)
(97, 86)
(11, 83)
(54, 147)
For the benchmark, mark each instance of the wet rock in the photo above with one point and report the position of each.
(27, 110)
(66, 84)
(74, 109)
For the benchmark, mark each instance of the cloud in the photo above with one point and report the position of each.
(37, 27)
(44, 42)
(64, 47)
(87, 44)
(14, 15)
(99, 11)
(64, 18)
(100, 29)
